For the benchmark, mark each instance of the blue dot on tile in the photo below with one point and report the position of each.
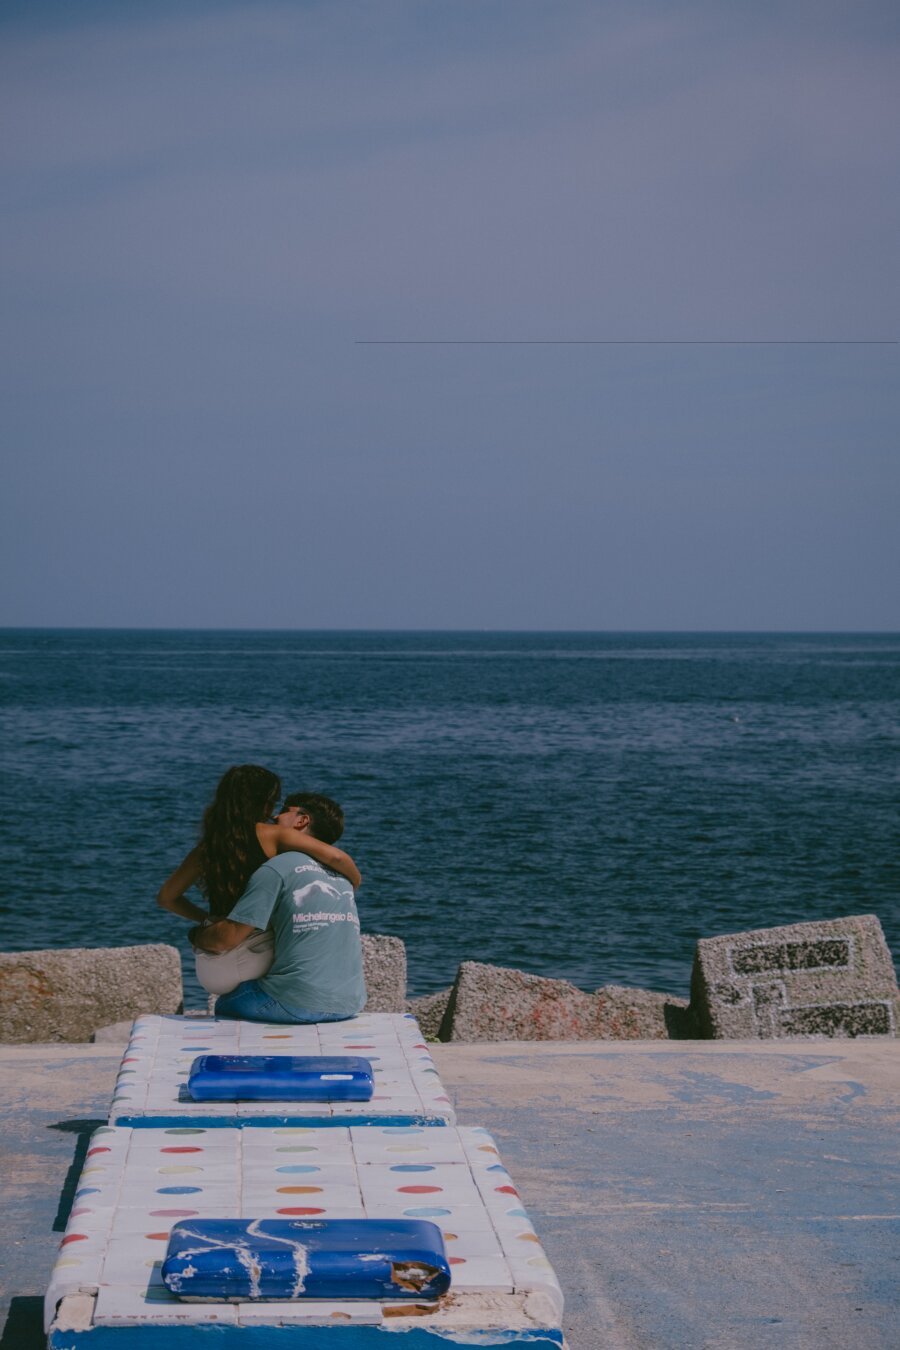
(412, 1167)
(87, 1190)
(299, 1167)
(178, 1190)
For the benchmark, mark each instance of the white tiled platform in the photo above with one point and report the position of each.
(151, 1087)
(136, 1183)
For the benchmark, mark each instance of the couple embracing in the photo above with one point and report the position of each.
(280, 939)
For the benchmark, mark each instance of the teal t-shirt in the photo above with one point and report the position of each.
(318, 953)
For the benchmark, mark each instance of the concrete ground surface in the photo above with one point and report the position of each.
(714, 1195)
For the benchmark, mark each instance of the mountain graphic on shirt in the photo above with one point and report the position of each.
(323, 887)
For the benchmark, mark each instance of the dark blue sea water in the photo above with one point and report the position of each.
(579, 805)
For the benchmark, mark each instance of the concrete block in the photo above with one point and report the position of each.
(493, 1003)
(429, 1010)
(65, 994)
(832, 978)
(151, 1089)
(106, 1286)
(642, 1015)
(118, 1033)
(384, 966)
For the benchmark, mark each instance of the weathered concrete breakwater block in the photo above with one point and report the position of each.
(429, 1010)
(493, 1003)
(64, 994)
(384, 968)
(106, 1288)
(833, 978)
(151, 1089)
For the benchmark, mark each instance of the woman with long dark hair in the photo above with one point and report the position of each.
(237, 837)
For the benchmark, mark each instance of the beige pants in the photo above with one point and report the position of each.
(220, 974)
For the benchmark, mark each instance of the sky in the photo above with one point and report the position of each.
(496, 314)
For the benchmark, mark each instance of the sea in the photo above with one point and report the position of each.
(579, 805)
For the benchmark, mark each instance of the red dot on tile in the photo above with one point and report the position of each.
(299, 1190)
(299, 1209)
(506, 1190)
(182, 1148)
(419, 1190)
(160, 1237)
(457, 1260)
(277, 1036)
(420, 1046)
(92, 1151)
(73, 1237)
(442, 1099)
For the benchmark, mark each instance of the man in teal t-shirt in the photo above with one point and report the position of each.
(317, 973)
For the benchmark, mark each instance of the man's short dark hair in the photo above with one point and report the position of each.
(326, 819)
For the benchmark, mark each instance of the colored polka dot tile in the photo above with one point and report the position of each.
(151, 1089)
(142, 1181)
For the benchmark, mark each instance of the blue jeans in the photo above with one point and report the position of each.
(249, 1002)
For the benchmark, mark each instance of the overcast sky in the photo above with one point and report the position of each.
(210, 209)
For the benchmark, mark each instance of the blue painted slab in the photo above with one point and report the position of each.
(137, 1184)
(241, 1259)
(152, 1086)
(280, 1078)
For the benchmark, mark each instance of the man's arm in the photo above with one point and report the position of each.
(222, 936)
(288, 840)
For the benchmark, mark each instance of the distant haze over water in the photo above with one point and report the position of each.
(578, 805)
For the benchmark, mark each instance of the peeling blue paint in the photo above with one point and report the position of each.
(293, 1120)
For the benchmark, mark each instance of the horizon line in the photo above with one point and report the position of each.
(609, 632)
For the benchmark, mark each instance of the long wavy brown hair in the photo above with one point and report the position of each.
(246, 795)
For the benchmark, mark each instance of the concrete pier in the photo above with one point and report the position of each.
(689, 1194)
